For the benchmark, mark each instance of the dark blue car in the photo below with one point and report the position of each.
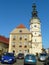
(30, 59)
(8, 58)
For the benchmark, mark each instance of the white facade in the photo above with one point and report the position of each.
(35, 29)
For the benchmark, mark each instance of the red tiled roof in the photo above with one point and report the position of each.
(4, 40)
(21, 26)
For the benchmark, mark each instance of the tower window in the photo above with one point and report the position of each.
(39, 34)
(35, 32)
(35, 26)
(35, 40)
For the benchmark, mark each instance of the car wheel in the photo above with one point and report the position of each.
(24, 64)
(2, 62)
(45, 64)
(35, 64)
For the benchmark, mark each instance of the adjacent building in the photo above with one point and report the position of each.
(20, 40)
(4, 44)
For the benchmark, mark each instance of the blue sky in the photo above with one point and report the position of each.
(15, 12)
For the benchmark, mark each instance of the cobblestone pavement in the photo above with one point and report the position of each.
(21, 62)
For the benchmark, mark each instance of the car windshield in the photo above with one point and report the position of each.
(20, 54)
(43, 54)
(32, 56)
(8, 54)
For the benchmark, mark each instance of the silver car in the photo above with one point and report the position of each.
(42, 56)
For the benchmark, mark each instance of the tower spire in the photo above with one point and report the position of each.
(34, 12)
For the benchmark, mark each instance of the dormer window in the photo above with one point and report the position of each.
(20, 30)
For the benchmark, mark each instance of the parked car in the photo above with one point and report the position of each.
(8, 58)
(42, 56)
(46, 61)
(20, 56)
(30, 59)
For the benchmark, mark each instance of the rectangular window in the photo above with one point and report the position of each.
(25, 51)
(14, 37)
(35, 40)
(20, 37)
(20, 51)
(13, 43)
(25, 36)
(25, 46)
(20, 43)
(25, 43)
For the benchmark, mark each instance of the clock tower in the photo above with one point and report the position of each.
(35, 29)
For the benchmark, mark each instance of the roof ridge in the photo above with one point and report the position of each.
(21, 26)
(4, 39)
